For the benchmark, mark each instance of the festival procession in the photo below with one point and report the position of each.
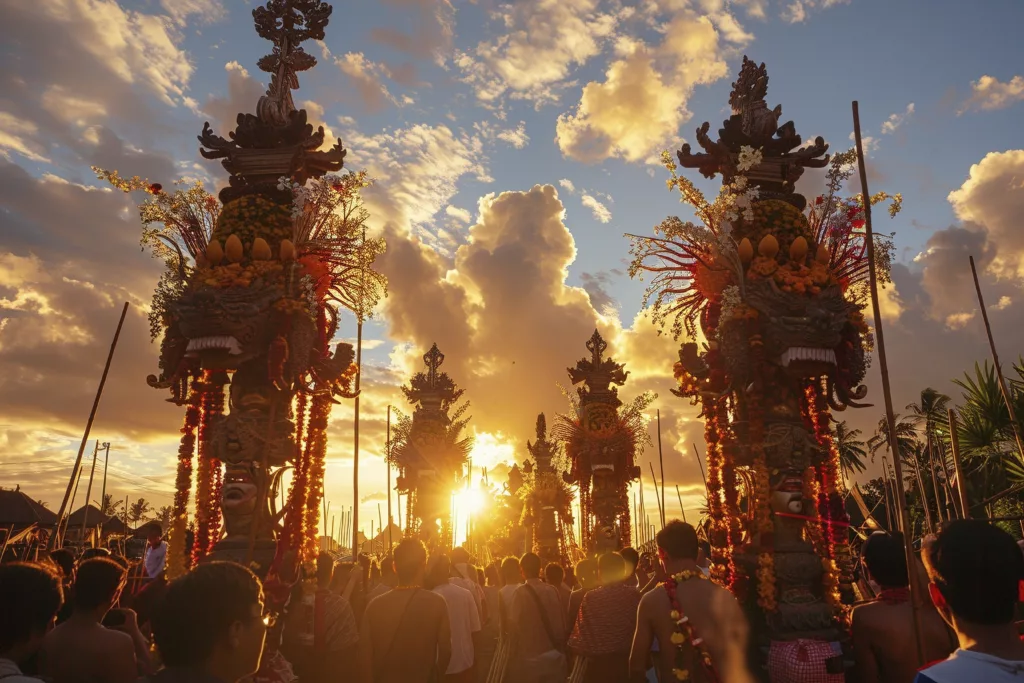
(374, 436)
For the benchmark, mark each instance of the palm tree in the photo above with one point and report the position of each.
(138, 510)
(852, 449)
(164, 515)
(985, 430)
(929, 413)
(109, 506)
(909, 449)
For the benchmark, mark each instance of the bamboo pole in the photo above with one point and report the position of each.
(71, 506)
(387, 462)
(935, 480)
(661, 462)
(924, 499)
(355, 438)
(995, 359)
(103, 493)
(657, 498)
(954, 442)
(88, 427)
(88, 492)
(901, 502)
(696, 454)
(681, 508)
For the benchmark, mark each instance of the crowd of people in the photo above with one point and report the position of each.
(420, 617)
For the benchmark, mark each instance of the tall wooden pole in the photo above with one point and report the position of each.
(88, 492)
(71, 506)
(88, 427)
(961, 489)
(657, 498)
(661, 462)
(387, 461)
(355, 456)
(1007, 397)
(890, 416)
(935, 479)
(681, 508)
(103, 493)
(700, 463)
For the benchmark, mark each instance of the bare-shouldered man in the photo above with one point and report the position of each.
(715, 615)
(406, 636)
(884, 646)
(82, 649)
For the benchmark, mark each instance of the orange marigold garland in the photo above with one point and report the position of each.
(721, 552)
(183, 485)
(208, 471)
(316, 453)
(295, 514)
(691, 661)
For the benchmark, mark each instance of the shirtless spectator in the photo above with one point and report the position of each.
(405, 636)
(586, 574)
(554, 575)
(210, 626)
(463, 618)
(387, 578)
(537, 626)
(606, 624)
(713, 613)
(30, 596)
(884, 646)
(976, 570)
(82, 648)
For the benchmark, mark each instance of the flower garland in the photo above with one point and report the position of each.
(296, 507)
(316, 452)
(208, 471)
(692, 661)
(183, 485)
(721, 551)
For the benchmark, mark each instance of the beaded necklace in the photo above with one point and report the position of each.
(692, 662)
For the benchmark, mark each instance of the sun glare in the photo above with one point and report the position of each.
(468, 501)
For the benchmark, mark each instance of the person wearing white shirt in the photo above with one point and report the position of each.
(464, 618)
(156, 552)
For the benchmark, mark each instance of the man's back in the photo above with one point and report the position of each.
(464, 621)
(715, 617)
(81, 651)
(402, 633)
(884, 644)
(531, 633)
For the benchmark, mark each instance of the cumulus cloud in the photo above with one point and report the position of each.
(532, 60)
(600, 211)
(567, 184)
(367, 77)
(243, 92)
(458, 214)
(595, 285)
(112, 66)
(989, 93)
(207, 11)
(993, 197)
(431, 26)
(641, 103)
(516, 137)
(896, 120)
(416, 169)
(798, 10)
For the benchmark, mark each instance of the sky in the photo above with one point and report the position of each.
(512, 145)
